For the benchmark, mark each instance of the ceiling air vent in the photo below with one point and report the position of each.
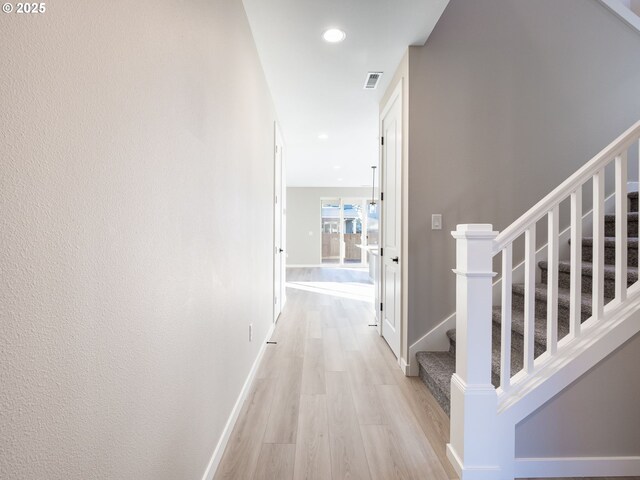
(372, 80)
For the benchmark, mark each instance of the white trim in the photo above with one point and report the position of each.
(471, 473)
(619, 9)
(577, 467)
(398, 94)
(435, 340)
(405, 367)
(233, 417)
(279, 248)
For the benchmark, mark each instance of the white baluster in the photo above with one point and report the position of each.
(598, 245)
(552, 282)
(575, 302)
(507, 271)
(621, 227)
(529, 297)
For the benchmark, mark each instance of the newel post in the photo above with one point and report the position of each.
(476, 449)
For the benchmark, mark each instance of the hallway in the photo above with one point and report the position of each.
(329, 401)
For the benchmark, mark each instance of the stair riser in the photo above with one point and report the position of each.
(610, 227)
(541, 308)
(517, 342)
(610, 255)
(443, 398)
(564, 281)
(633, 204)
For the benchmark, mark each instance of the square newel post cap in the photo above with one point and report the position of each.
(475, 231)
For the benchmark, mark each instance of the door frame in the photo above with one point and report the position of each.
(397, 95)
(279, 219)
(340, 200)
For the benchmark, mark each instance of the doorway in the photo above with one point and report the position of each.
(391, 187)
(279, 227)
(343, 227)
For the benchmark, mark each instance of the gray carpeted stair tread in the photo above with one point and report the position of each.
(436, 369)
(517, 327)
(563, 296)
(517, 357)
(610, 250)
(587, 269)
(564, 276)
(610, 224)
(611, 217)
(610, 242)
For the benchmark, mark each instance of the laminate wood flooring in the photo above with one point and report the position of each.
(329, 401)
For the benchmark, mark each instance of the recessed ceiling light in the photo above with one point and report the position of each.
(334, 35)
(339, 179)
(337, 167)
(323, 136)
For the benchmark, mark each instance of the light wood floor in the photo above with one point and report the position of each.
(329, 401)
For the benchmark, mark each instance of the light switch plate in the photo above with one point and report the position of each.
(436, 221)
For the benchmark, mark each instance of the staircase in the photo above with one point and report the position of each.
(522, 340)
(436, 368)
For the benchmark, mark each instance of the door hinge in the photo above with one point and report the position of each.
(382, 196)
(381, 306)
(382, 140)
(382, 252)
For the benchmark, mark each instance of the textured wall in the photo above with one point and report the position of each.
(303, 216)
(135, 235)
(508, 98)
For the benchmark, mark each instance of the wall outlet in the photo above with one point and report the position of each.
(436, 221)
(251, 332)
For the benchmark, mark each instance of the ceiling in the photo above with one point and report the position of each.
(317, 87)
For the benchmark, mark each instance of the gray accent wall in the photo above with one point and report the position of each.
(136, 232)
(507, 99)
(303, 220)
(596, 416)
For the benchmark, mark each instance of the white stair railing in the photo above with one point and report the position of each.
(475, 402)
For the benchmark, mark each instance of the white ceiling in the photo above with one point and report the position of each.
(317, 87)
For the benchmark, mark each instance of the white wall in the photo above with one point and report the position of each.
(508, 98)
(133, 139)
(304, 241)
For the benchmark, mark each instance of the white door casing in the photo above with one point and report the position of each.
(391, 221)
(279, 212)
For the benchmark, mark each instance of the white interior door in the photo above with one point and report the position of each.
(278, 229)
(391, 159)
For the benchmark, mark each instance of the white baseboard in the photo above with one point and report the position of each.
(231, 421)
(405, 367)
(577, 467)
(435, 340)
(477, 473)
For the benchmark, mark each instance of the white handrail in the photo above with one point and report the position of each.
(539, 210)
